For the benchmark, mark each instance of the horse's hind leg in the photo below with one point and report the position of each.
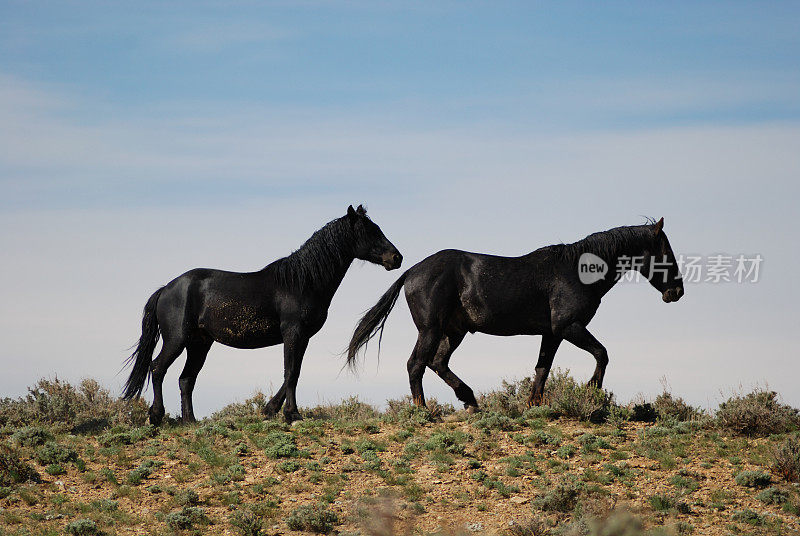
(169, 353)
(424, 351)
(441, 366)
(196, 352)
(547, 352)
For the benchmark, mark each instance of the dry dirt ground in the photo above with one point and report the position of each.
(466, 474)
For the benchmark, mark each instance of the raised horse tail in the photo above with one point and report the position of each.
(143, 355)
(373, 321)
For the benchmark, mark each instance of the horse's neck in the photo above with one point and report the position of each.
(331, 286)
(625, 256)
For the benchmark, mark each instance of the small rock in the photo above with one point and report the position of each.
(516, 499)
(474, 527)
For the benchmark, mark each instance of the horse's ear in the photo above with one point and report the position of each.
(361, 210)
(351, 213)
(659, 226)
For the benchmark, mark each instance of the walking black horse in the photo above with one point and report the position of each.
(542, 293)
(286, 302)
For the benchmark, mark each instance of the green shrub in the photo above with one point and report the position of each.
(105, 505)
(52, 452)
(13, 470)
(280, 445)
(540, 437)
(109, 475)
(451, 441)
(31, 436)
(566, 451)
(786, 459)
(405, 411)
(82, 527)
(87, 407)
(55, 469)
(661, 503)
(592, 443)
(252, 408)
(757, 414)
(236, 472)
(490, 420)
(773, 496)
(289, 466)
(749, 516)
(671, 408)
(582, 402)
(363, 445)
(348, 410)
(187, 497)
(511, 400)
(313, 518)
(753, 479)
(618, 416)
(561, 498)
(246, 522)
(186, 518)
(144, 470)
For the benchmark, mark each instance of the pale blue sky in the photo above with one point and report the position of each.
(138, 140)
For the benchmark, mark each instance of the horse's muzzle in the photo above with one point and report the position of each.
(392, 261)
(672, 294)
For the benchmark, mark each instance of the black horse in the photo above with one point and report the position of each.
(286, 302)
(553, 291)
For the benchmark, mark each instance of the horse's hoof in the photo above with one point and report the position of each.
(292, 417)
(269, 412)
(472, 409)
(155, 418)
(534, 401)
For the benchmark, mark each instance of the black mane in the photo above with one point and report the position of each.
(609, 244)
(321, 258)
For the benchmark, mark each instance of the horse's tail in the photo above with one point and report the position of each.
(143, 355)
(373, 321)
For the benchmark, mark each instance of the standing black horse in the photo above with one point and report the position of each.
(542, 293)
(286, 302)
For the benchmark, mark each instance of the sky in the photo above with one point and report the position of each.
(141, 139)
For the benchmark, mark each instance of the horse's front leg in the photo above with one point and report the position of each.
(578, 335)
(547, 351)
(294, 347)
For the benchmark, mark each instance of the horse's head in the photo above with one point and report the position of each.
(661, 268)
(371, 244)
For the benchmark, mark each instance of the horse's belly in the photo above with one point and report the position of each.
(507, 318)
(514, 327)
(252, 340)
(242, 327)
